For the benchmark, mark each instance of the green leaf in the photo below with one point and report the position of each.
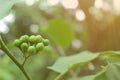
(113, 72)
(66, 63)
(5, 6)
(110, 72)
(109, 53)
(60, 31)
(99, 76)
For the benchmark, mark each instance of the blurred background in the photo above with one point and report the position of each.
(70, 25)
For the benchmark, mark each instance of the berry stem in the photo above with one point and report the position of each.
(25, 60)
(6, 50)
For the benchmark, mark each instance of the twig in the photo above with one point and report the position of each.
(6, 50)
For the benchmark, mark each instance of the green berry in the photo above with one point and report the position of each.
(17, 42)
(40, 46)
(24, 46)
(24, 38)
(31, 50)
(46, 42)
(38, 38)
(32, 38)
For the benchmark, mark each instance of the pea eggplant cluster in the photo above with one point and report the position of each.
(31, 44)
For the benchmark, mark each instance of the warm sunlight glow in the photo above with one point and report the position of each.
(70, 4)
(116, 6)
(106, 6)
(53, 2)
(98, 3)
(3, 27)
(80, 15)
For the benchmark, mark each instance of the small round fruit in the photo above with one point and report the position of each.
(31, 50)
(24, 46)
(38, 38)
(24, 38)
(39, 46)
(32, 38)
(17, 42)
(46, 42)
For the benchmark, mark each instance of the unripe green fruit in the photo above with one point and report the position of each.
(17, 42)
(31, 44)
(24, 46)
(32, 39)
(24, 38)
(38, 38)
(31, 50)
(40, 46)
(46, 42)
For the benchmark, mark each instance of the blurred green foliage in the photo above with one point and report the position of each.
(6, 6)
(61, 32)
(98, 32)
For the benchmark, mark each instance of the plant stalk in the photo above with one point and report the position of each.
(6, 50)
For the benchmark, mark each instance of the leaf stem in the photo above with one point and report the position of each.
(6, 50)
(60, 75)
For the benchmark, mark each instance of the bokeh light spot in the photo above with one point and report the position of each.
(29, 2)
(10, 18)
(98, 3)
(53, 2)
(116, 6)
(3, 27)
(80, 15)
(70, 4)
(34, 28)
(77, 44)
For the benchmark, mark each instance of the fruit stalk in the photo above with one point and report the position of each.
(6, 50)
